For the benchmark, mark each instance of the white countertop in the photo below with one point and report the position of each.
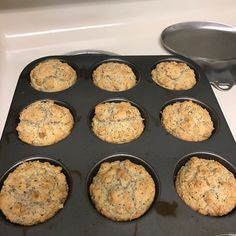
(123, 27)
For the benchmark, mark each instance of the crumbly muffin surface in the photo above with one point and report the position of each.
(207, 187)
(117, 122)
(33, 193)
(44, 123)
(188, 121)
(122, 190)
(174, 75)
(113, 76)
(52, 76)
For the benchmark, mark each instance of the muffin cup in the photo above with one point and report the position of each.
(44, 59)
(210, 110)
(53, 162)
(134, 159)
(205, 156)
(59, 103)
(130, 65)
(118, 100)
(178, 60)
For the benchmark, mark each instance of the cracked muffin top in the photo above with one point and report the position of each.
(44, 123)
(174, 75)
(122, 190)
(187, 121)
(52, 76)
(207, 187)
(33, 193)
(117, 122)
(114, 76)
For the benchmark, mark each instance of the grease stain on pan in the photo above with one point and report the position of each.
(166, 208)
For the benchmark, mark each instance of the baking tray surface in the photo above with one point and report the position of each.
(82, 152)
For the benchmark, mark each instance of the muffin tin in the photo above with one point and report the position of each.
(81, 152)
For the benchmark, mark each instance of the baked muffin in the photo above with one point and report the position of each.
(122, 190)
(33, 193)
(117, 122)
(44, 123)
(187, 121)
(114, 76)
(52, 76)
(207, 187)
(174, 75)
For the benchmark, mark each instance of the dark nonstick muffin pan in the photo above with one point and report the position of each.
(158, 151)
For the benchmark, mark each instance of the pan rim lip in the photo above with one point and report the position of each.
(227, 234)
(202, 23)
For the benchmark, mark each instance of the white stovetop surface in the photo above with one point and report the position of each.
(124, 27)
